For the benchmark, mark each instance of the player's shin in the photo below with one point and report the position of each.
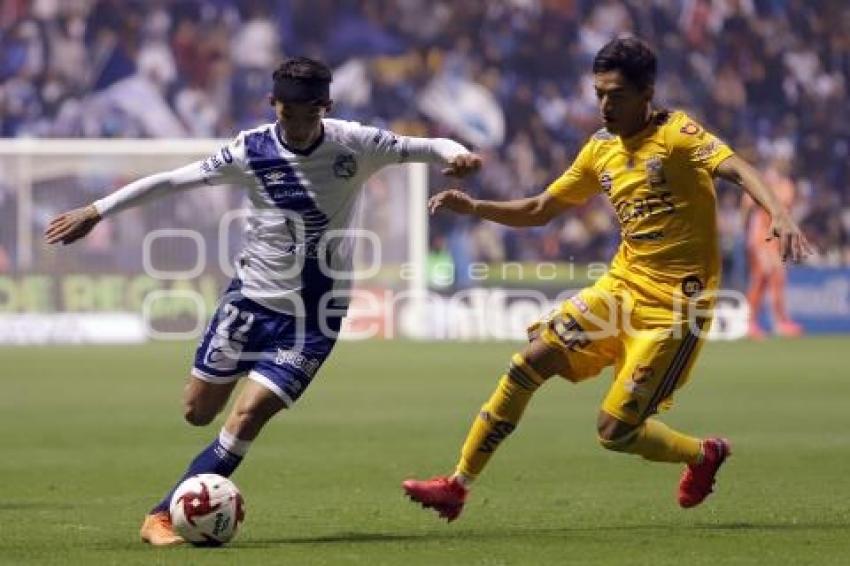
(221, 457)
(498, 418)
(655, 441)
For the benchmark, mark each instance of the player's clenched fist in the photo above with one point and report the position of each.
(452, 199)
(463, 165)
(72, 225)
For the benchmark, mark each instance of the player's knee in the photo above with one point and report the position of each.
(197, 415)
(614, 434)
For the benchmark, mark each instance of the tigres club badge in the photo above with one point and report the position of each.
(655, 172)
(345, 166)
(691, 285)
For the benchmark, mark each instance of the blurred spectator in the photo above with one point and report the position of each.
(772, 74)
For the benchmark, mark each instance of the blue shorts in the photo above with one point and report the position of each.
(280, 351)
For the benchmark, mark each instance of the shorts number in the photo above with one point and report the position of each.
(227, 343)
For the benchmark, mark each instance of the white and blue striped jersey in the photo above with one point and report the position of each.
(302, 205)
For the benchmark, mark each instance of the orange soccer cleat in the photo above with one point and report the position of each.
(158, 531)
(698, 479)
(443, 494)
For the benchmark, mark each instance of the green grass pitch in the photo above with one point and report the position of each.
(92, 437)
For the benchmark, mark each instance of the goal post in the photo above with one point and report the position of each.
(189, 238)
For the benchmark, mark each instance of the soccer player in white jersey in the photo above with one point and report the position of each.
(277, 322)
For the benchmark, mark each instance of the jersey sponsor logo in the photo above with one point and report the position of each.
(707, 150)
(655, 172)
(650, 236)
(644, 207)
(301, 362)
(692, 285)
(345, 166)
(690, 129)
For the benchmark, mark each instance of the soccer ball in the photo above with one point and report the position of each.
(207, 509)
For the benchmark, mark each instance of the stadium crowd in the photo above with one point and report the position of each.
(769, 76)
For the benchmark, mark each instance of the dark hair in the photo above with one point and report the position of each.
(303, 68)
(632, 57)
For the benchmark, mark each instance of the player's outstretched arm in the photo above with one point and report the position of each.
(793, 244)
(389, 148)
(72, 225)
(532, 211)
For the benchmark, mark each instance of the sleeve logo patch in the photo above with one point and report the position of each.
(707, 150)
(690, 129)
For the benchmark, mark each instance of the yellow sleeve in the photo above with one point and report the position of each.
(579, 182)
(700, 148)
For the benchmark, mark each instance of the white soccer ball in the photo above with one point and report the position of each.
(207, 509)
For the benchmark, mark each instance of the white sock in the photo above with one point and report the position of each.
(462, 479)
(233, 444)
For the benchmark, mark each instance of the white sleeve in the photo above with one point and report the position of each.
(388, 148)
(223, 166)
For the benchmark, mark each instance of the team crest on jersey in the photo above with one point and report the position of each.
(345, 166)
(606, 181)
(692, 285)
(655, 172)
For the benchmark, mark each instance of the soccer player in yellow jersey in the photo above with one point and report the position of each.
(648, 315)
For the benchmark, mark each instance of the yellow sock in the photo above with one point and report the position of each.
(657, 442)
(498, 417)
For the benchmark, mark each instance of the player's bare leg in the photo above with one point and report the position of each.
(253, 408)
(784, 325)
(498, 418)
(655, 441)
(203, 400)
(755, 294)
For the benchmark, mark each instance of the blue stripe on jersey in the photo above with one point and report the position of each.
(281, 182)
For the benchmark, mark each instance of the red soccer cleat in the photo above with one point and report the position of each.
(443, 494)
(698, 479)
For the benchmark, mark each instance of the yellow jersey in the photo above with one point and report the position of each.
(660, 184)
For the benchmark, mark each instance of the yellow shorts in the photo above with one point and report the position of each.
(651, 346)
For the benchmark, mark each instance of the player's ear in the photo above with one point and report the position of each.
(271, 99)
